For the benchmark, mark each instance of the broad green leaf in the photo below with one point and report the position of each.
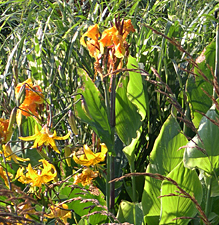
(135, 89)
(176, 206)
(196, 84)
(208, 142)
(79, 206)
(130, 149)
(163, 159)
(97, 110)
(130, 212)
(128, 120)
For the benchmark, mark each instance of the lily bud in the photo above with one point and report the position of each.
(85, 108)
(67, 154)
(12, 119)
(21, 95)
(71, 120)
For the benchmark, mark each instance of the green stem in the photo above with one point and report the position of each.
(208, 198)
(112, 125)
(134, 196)
(106, 96)
(216, 72)
(108, 164)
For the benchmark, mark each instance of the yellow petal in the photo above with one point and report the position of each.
(81, 161)
(41, 139)
(53, 144)
(62, 138)
(19, 117)
(88, 153)
(29, 138)
(104, 149)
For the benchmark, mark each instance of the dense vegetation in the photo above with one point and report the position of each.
(109, 112)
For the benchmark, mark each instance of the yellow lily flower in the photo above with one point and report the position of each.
(5, 134)
(11, 155)
(85, 177)
(21, 177)
(60, 211)
(45, 137)
(3, 175)
(89, 158)
(37, 177)
(25, 209)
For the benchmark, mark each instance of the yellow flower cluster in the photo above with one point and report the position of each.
(5, 176)
(37, 177)
(8, 154)
(60, 211)
(89, 159)
(45, 137)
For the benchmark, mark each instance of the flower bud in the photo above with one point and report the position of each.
(67, 154)
(21, 95)
(12, 119)
(71, 120)
(85, 108)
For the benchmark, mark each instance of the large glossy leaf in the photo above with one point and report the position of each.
(176, 206)
(82, 200)
(135, 89)
(163, 159)
(208, 142)
(97, 110)
(130, 212)
(196, 84)
(130, 149)
(128, 120)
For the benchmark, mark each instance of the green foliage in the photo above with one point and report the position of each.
(166, 113)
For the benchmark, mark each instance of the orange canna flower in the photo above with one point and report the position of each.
(33, 97)
(60, 211)
(46, 137)
(127, 28)
(93, 48)
(86, 177)
(107, 37)
(92, 44)
(27, 109)
(93, 33)
(89, 158)
(5, 134)
(33, 92)
(113, 37)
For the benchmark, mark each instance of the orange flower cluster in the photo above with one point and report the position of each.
(111, 41)
(5, 134)
(33, 97)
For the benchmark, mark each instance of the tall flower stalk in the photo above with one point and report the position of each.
(110, 51)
